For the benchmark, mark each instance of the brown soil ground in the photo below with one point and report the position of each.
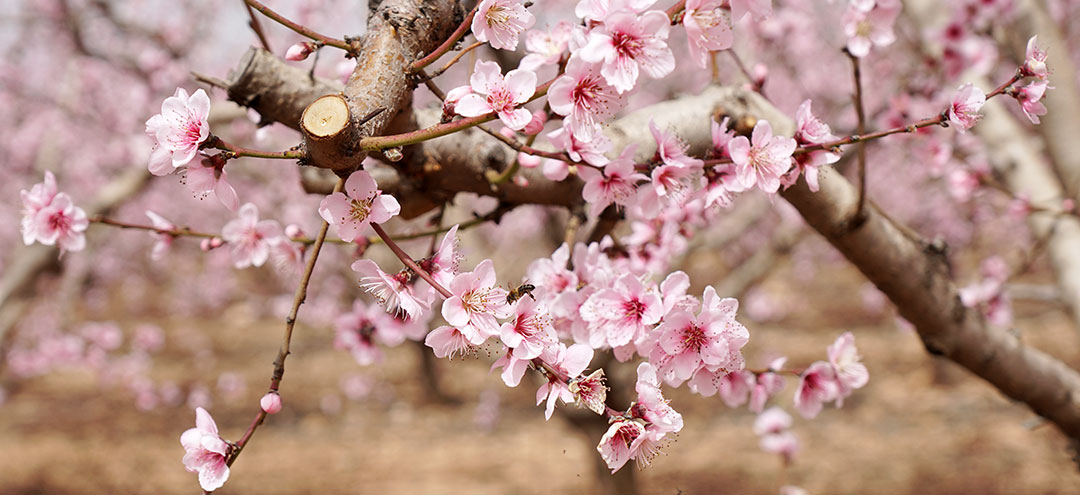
(920, 426)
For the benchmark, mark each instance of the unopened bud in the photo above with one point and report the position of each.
(539, 118)
(271, 403)
(211, 243)
(528, 161)
(300, 51)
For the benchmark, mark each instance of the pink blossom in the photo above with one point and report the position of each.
(733, 388)
(271, 403)
(651, 405)
(361, 204)
(443, 264)
(161, 241)
(447, 341)
(179, 130)
(300, 51)
(476, 303)
(499, 22)
(619, 315)
(598, 10)
(208, 177)
(513, 367)
(964, 109)
(546, 47)
(621, 442)
(817, 385)
(60, 223)
(850, 373)
(767, 385)
(503, 95)
(759, 9)
(206, 452)
(529, 331)
(712, 340)
(590, 392)
(1029, 96)
(627, 43)
(584, 97)
(571, 361)
(555, 283)
(671, 150)
(868, 28)
(37, 198)
(356, 331)
(810, 130)
(761, 160)
(51, 218)
(615, 185)
(250, 238)
(539, 118)
(395, 292)
(772, 425)
(449, 106)
(708, 28)
(591, 152)
(772, 420)
(1034, 61)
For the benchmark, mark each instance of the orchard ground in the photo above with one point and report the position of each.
(922, 425)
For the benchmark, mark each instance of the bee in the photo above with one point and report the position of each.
(525, 289)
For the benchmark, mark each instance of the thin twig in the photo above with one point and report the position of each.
(446, 45)
(257, 27)
(408, 261)
(286, 339)
(303, 31)
(860, 212)
(210, 80)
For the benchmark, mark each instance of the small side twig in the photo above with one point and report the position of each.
(257, 27)
(286, 339)
(860, 213)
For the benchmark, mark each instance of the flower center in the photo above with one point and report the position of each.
(476, 301)
(359, 209)
(59, 221)
(500, 100)
(627, 45)
(498, 16)
(633, 309)
(693, 338)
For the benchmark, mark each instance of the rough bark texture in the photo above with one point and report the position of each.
(278, 91)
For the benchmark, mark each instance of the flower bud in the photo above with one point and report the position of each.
(539, 118)
(271, 403)
(528, 161)
(300, 51)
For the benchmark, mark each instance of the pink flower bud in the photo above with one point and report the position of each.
(539, 118)
(271, 403)
(507, 132)
(293, 231)
(211, 243)
(528, 161)
(300, 51)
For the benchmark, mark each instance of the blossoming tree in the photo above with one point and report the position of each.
(565, 110)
